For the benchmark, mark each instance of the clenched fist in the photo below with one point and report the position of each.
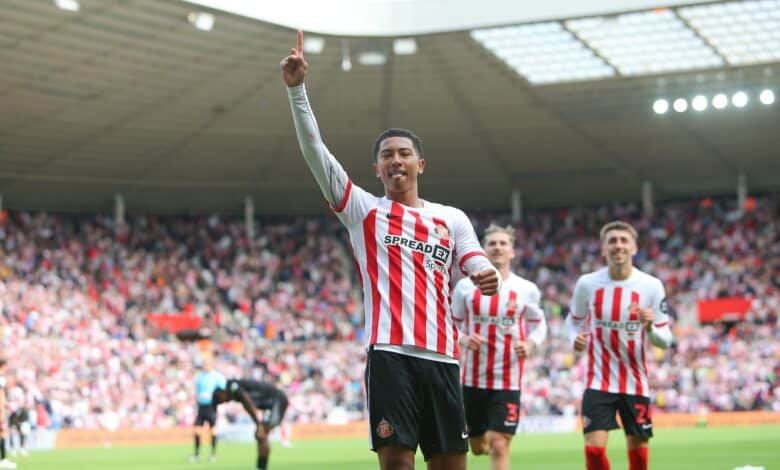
(486, 280)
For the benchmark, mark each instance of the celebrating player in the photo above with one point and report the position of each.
(496, 347)
(406, 249)
(614, 311)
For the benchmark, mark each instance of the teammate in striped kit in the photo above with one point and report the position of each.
(615, 310)
(407, 251)
(496, 344)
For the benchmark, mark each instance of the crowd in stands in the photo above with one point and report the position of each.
(75, 292)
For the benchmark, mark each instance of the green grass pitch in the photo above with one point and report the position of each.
(671, 449)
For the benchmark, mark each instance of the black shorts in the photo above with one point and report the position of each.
(206, 414)
(413, 401)
(273, 416)
(491, 410)
(599, 411)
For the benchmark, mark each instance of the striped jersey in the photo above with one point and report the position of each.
(503, 320)
(615, 352)
(406, 257)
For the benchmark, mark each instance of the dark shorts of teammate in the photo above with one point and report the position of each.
(599, 410)
(413, 401)
(206, 414)
(273, 414)
(491, 410)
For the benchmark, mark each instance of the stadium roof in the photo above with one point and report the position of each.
(128, 97)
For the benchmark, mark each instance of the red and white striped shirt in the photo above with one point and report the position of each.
(503, 320)
(407, 258)
(616, 348)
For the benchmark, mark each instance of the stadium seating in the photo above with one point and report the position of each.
(285, 306)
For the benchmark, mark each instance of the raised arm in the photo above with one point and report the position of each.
(328, 173)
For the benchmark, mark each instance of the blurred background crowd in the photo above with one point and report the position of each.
(285, 306)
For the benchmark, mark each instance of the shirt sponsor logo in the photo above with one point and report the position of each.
(431, 266)
(439, 253)
(505, 322)
(629, 326)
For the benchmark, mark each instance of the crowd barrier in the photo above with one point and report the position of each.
(243, 432)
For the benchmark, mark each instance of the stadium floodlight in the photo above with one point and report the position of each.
(372, 58)
(743, 32)
(720, 101)
(201, 20)
(647, 42)
(346, 63)
(68, 5)
(699, 103)
(660, 106)
(543, 53)
(313, 44)
(739, 99)
(346, 60)
(767, 96)
(406, 46)
(680, 105)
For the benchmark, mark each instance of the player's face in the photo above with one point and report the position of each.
(499, 249)
(397, 164)
(619, 247)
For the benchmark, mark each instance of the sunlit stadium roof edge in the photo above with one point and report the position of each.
(414, 17)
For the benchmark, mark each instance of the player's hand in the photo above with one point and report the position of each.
(524, 348)
(472, 342)
(486, 280)
(581, 342)
(645, 315)
(294, 66)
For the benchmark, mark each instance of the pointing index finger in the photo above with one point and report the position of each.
(300, 43)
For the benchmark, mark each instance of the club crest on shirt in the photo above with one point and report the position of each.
(443, 232)
(384, 429)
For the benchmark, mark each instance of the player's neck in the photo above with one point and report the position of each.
(408, 198)
(504, 270)
(620, 272)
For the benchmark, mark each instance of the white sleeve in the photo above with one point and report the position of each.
(330, 176)
(470, 255)
(536, 324)
(661, 331)
(576, 320)
(459, 310)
